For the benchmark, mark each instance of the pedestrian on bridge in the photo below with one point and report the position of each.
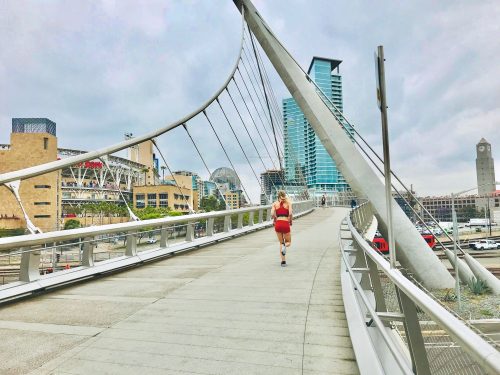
(281, 212)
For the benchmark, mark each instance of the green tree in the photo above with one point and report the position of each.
(464, 214)
(211, 203)
(72, 224)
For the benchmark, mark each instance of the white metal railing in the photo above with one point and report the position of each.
(197, 229)
(397, 329)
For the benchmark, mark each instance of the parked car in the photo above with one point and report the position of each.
(484, 245)
(151, 240)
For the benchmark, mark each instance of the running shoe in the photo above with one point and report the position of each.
(283, 263)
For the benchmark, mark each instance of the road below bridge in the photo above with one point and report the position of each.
(225, 309)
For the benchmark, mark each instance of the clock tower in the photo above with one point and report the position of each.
(485, 168)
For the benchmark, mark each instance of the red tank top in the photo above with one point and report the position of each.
(282, 211)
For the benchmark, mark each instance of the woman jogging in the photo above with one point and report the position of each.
(281, 212)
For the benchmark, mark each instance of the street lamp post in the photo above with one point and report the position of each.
(455, 250)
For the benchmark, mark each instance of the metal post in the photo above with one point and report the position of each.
(455, 251)
(381, 95)
(416, 345)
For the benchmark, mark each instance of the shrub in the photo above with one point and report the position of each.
(72, 224)
(478, 286)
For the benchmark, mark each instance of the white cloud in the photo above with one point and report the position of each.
(102, 68)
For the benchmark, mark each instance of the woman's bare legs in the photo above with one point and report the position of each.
(281, 238)
(287, 239)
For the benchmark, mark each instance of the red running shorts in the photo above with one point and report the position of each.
(282, 226)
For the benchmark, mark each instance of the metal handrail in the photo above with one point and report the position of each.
(484, 353)
(403, 365)
(59, 164)
(64, 235)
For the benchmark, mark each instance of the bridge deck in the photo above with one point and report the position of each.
(226, 309)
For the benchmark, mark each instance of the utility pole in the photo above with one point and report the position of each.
(382, 104)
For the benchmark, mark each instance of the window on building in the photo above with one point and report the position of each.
(45, 143)
(163, 200)
(42, 203)
(152, 199)
(139, 201)
(41, 216)
(42, 186)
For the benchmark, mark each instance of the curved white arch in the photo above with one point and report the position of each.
(37, 170)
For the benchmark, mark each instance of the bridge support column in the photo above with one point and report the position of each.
(413, 252)
(88, 252)
(30, 263)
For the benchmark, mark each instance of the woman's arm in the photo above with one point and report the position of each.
(273, 211)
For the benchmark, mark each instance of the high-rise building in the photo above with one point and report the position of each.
(305, 156)
(271, 180)
(485, 168)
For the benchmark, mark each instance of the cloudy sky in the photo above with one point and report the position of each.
(103, 68)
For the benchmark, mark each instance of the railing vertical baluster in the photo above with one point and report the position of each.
(416, 346)
(163, 237)
(240, 221)
(190, 232)
(251, 216)
(131, 249)
(227, 223)
(88, 252)
(376, 285)
(30, 263)
(261, 215)
(268, 214)
(210, 227)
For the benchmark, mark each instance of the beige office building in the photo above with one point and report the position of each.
(32, 142)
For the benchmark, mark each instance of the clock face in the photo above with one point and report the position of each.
(481, 148)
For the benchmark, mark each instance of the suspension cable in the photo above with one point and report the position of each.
(256, 110)
(105, 161)
(228, 158)
(239, 143)
(250, 137)
(191, 210)
(254, 89)
(256, 74)
(275, 107)
(258, 131)
(205, 164)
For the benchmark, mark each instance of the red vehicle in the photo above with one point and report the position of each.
(381, 244)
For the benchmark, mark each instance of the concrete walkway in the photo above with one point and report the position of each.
(226, 309)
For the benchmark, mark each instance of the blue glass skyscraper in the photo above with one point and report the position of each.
(306, 159)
